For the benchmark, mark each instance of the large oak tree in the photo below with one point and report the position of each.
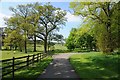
(100, 13)
(50, 19)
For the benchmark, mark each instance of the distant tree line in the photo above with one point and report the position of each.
(32, 21)
(100, 29)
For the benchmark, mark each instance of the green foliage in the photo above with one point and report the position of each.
(96, 65)
(86, 41)
(102, 20)
(50, 19)
(35, 20)
(14, 39)
(81, 50)
(80, 40)
(71, 39)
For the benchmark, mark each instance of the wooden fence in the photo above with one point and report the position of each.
(14, 64)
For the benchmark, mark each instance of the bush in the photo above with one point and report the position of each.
(58, 51)
(81, 50)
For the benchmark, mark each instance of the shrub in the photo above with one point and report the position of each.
(81, 50)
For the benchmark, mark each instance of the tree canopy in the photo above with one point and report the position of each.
(34, 20)
(102, 20)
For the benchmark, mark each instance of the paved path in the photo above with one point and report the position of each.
(59, 68)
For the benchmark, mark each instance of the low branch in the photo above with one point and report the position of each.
(95, 15)
(40, 33)
(40, 37)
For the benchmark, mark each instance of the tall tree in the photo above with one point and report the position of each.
(13, 39)
(50, 18)
(100, 13)
(116, 25)
(23, 12)
(33, 19)
(37, 20)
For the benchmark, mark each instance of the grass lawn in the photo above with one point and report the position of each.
(96, 65)
(31, 73)
(7, 54)
(11, 54)
(60, 47)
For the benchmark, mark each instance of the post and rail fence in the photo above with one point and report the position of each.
(12, 65)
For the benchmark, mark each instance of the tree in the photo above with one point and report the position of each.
(85, 41)
(22, 12)
(70, 42)
(52, 37)
(13, 39)
(13, 33)
(1, 35)
(116, 25)
(36, 20)
(81, 38)
(33, 19)
(50, 18)
(59, 38)
(100, 13)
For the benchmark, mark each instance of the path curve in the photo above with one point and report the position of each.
(60, 68)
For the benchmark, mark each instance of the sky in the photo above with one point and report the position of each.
(72, 20)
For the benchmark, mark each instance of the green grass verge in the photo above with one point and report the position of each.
(96, 65)
(11, 54)
(31, 73)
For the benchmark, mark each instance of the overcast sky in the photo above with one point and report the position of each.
(72, 21)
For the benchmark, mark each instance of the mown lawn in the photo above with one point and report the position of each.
(11, 54)
(30, 73)
(7, 54)
(94, 65)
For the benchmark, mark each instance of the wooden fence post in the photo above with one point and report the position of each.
(28, 60)
(40, 56)
(37, 57)
(33, 58)
(13, 68)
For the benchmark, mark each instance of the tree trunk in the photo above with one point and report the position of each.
(35, 43)
(109, 40)
(45, 45)
(20, 49)
(10, 47)
(25, 44)
(15, 47)
(48, 47)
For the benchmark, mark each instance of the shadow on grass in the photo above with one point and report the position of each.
(30, 73)
(92, 67)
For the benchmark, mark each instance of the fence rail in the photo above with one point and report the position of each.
(12, 64)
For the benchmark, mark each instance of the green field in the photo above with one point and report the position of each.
(10, 54)
(96, 65)
(7, 54)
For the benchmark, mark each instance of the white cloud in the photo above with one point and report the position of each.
(72, 18)
(2, 16)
